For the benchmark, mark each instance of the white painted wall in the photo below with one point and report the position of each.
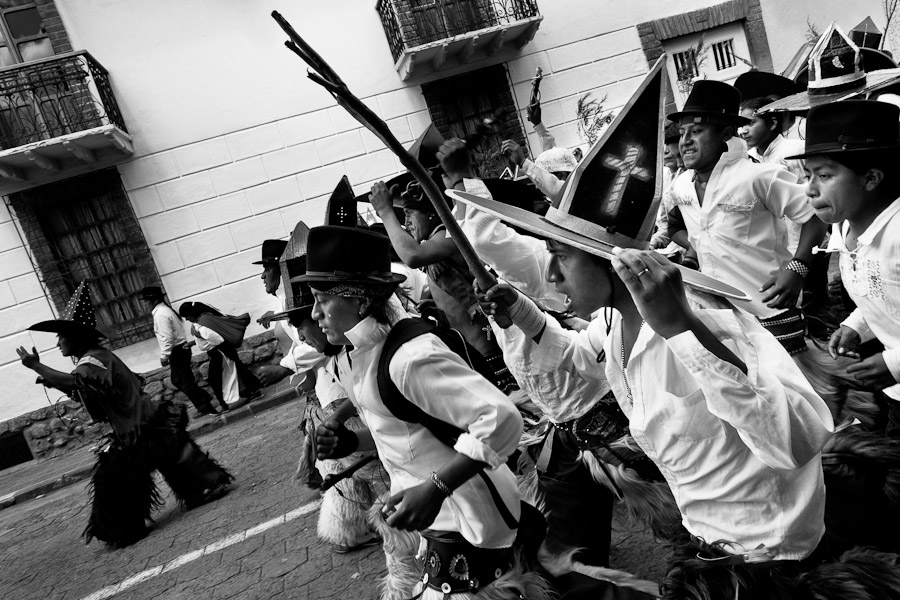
(234, 145)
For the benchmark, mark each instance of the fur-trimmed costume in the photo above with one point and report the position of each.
(145, 438)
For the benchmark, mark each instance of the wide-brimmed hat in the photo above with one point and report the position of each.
(713, 102)
(271, 252)
(298, 297)
(152, 292)
(837, 69)
(77, 320)
(350, 256)
(612, 197)
(760, 84)
(851, 126)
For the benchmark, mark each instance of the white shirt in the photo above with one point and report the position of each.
(871, 275)
(548, 183)
(559, 392)
(738, 233)
(168, 327)
(437, 380)
(776, 154)
(300, 357)
(740, 452)
(207, 339)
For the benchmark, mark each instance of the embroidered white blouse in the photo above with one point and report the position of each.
(437, 380)
(871, 275)
(738, 233)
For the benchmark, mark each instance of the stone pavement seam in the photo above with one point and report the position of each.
(82, 472)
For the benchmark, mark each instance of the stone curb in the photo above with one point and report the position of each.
(82, 472)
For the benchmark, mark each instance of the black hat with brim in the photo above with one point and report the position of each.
(853, 126)
(271, 252)
(350, 256)
(539, 225)
(761, 84)
(68, 329)
(152, 292)
(711, 101)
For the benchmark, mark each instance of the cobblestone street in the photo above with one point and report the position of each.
(265, 545)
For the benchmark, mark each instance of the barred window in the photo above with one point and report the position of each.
(724, 55)
(85, 229)
(686, 64)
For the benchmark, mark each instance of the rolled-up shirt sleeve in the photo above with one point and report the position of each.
(546, 182)
(434, 378)
(857, 322)
(773, 408)
(787, 198)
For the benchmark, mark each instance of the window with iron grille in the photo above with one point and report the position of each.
(85, 229)
(459, 106)
(724, 55)
(686, 64)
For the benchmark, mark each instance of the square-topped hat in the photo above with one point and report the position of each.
(850, 127)
(837, 69)
(612, 196)
(77, 320)
(298, 296)
(271, 252)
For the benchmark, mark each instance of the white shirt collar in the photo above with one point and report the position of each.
(879, 223)
(367, 333)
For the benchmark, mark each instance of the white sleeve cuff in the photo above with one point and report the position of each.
(857, 322)
(527, 316)
(470, 446)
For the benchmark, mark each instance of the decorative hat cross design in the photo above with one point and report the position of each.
(627, 168)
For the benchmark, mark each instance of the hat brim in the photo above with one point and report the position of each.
(726, 118)
(802, 102)
(829, 149)
(287, 314)
(66, 327)
(536, 224)
(392, 279)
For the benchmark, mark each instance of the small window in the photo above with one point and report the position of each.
(724, 55)
(22, 35)
(686, 64)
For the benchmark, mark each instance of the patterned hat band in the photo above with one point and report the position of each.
(355, 290)
(376, 276)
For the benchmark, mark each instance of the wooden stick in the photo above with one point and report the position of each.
(325, 76)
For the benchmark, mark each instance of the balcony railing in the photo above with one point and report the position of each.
(53, 97)
(412, 23)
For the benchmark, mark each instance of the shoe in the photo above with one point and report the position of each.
(372, 540)
(255, 395)
(208, 496)
(207, 410)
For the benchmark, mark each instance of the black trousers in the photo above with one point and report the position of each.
(183, 378)
(123, 492)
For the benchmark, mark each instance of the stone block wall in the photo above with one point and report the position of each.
(55, 431)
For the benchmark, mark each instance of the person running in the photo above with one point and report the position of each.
(144, 436)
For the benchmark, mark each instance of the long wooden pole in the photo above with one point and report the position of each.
(325, 76)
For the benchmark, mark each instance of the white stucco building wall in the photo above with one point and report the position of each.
(234, 145)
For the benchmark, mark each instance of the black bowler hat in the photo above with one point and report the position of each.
(271, 252)
(350, 256)
(152, 292)
(760, 84)
(712, 101)
(851, 126)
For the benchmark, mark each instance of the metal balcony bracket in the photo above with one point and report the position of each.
(469, 49)
(43, 162)
(406, 66)
(85, 155)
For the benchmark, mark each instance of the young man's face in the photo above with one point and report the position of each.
(702, 144)
(271, 277)
(335, 316)
(419, 223)
(312, 334)
(580, 276)
(759, 132)
(835, 192)
(671, 156)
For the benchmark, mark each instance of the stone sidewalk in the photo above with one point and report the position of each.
(39, 477)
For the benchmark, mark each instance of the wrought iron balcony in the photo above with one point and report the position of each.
(423, 34)
(58, 117)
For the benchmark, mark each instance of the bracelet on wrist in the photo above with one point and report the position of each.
(440, 485)
(799, 267)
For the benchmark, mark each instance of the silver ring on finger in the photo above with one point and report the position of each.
(644, 272)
